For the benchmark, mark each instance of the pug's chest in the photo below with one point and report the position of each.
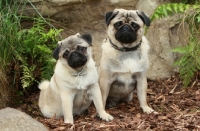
(128, 62)
(82, 81)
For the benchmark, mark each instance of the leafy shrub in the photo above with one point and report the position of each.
(25, 54)
(35, 52)
(189, 63)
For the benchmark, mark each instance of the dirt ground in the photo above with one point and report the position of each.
(178, 110)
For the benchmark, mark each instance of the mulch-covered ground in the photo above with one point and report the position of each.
(178, 109)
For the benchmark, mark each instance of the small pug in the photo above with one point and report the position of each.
(74, 84)
(124, 60)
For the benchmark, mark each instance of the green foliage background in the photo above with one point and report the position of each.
(35, 52)
(189, 63)
(26, 54)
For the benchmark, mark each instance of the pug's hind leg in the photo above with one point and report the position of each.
(111, 102)
(128, 98)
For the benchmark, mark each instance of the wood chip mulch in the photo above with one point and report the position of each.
(178, 110)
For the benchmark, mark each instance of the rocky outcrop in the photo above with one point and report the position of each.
(14, 120)
(87, 16)
(164, 35)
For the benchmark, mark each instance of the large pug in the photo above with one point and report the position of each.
(124, 60)
(75, 81)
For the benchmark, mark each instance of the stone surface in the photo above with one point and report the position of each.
(14, 120)
(63, 2)
(87, 16)
(164, 35)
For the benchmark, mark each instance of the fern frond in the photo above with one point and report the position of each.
(28, 77)
(169, 9)
(36, 48)
(48, 70)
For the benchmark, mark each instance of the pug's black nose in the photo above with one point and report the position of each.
(126, 27)
(74, 54)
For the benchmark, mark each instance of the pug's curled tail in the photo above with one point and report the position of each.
(44, 85)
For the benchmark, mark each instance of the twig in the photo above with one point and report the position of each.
(172, 91)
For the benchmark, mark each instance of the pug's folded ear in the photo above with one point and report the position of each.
(109, 16)
(56, 51)
(87, 38)
(144, 18)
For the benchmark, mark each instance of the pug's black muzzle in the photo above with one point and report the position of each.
(126, 34)
(76, 60)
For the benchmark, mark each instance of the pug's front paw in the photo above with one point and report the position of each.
(69, 121)
(105, 116)
(148, 110)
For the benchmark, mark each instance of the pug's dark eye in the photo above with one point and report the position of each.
(118, 24)
(135, 26)
(66, 53)
(81, 49)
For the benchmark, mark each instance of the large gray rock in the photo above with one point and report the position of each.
(87, 16)
(163, 36)
(14, 120)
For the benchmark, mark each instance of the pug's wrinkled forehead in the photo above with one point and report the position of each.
(72, 42)
(127, 16)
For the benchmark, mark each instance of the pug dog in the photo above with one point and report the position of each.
(74, 84)
(124, 61)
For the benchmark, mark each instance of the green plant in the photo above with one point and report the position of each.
(189, 63)
(25, 53)
(9, 26)
(35, 52)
